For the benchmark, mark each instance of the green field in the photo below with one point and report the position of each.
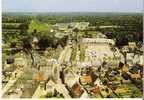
(38, 26)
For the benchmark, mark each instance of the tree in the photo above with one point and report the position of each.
(26, 43)
(121, 41)
(45, 39)
(24, 27)
(13, 44)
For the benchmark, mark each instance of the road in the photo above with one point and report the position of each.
(65, 55)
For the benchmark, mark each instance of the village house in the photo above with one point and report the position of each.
(132, 45)
(135, 74)
(98, 41)
(79, 25)
(86, 79)
(138, 59)
(95, 90)
(129, 58)
(76, 90)
(66, 26)
(62, 26)
(121, 90)
(125, 68)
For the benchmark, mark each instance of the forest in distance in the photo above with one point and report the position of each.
(130, 24)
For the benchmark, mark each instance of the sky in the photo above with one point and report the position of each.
(72, 5)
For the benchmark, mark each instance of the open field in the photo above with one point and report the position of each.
(34, 24)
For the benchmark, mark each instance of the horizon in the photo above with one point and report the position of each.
(38, 6)
(67, 12)
(71, 13)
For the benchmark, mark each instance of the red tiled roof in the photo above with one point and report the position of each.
(86, 79)
(76, 89)
(96, 90)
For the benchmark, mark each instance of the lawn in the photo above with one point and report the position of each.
(93, 33)
(39, 26)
